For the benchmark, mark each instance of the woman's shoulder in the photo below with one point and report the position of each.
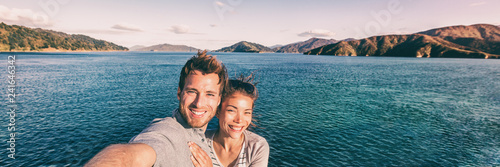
(257, 149)
(254, 139)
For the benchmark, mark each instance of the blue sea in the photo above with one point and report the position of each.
(314, 110)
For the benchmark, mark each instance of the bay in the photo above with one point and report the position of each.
(314, 110)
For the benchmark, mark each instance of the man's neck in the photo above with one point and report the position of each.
(178, 116)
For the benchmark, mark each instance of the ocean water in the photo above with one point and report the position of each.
(314, 110)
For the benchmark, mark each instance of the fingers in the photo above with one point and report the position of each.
(194, 157)
(195, 162)
(200, 157)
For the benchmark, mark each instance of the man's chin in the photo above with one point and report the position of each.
(196, 125)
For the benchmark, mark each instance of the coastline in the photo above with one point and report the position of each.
(72, 51)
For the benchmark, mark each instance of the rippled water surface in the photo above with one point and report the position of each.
(316, 110)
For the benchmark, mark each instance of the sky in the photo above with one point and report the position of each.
(213, 24)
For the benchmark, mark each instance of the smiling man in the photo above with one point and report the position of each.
(165, 141)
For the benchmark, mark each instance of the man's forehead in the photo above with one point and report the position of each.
(211, 79)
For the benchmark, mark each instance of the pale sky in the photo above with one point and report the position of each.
(213, 24)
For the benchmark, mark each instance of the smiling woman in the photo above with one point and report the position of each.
(232, 144)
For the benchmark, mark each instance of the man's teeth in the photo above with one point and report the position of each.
(235, 128)
(198, 113)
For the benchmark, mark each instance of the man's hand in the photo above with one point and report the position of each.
(200, 158)
(124, 155)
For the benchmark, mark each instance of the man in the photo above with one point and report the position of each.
(165, 141)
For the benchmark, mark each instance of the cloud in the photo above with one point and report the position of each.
(317, 33)
(24, 17)
(477, 3)
(213, 25)
(126, 27)
(219, 3)
(180, 29)
(96, 31)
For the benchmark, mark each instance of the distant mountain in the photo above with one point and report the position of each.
(136, 47)
(475, 41)
(479, 36)
(301, 47)
(20, 38)
(348, 39)
(477, 31)
(168, 48)
(245, 46)
(275, 46)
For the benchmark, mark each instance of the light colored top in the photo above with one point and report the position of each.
(254, 152)
(168, 137)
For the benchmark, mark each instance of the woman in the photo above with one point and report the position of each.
(232, 144)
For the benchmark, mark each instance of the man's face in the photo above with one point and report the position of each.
(199, 99)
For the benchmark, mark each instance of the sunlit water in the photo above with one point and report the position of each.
(315, 110)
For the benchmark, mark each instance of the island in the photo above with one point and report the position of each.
(474, 41)
(14, 38)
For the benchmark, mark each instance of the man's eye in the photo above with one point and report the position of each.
(212, 95)
(190, 91)
(248, 113)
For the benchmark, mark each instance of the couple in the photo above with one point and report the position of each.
(181, 140)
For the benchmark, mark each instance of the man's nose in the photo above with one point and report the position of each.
(199, 101)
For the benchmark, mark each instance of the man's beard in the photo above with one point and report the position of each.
(195, 123)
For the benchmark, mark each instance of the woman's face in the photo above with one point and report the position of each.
(235, 115)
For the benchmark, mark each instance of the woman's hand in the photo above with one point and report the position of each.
(200, 158)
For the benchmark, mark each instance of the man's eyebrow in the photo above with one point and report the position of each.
(189, 88)
(212, 92)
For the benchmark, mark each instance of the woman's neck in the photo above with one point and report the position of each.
(227, 148)
(227, 142)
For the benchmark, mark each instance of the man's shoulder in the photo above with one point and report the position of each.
(160, 129)
(169, 139)
(164, 124)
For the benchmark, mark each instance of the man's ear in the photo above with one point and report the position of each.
(218, 103)
(178, 93)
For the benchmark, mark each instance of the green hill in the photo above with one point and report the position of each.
(483, 37)
(301, 47)
(19, 38)
(450, 42)
(245, 46)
